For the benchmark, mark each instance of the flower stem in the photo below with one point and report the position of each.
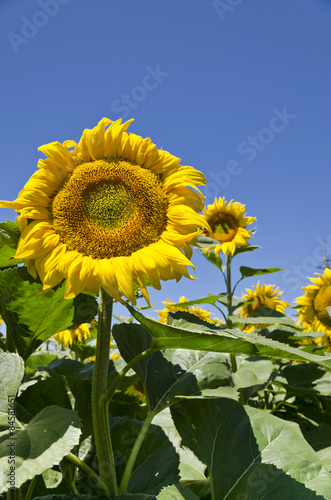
(99, 485)
(134, 453)
(99, 387)
(229, 306)
(112, 388)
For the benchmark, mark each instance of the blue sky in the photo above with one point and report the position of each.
(238, 89)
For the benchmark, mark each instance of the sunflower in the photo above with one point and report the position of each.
(227, 222)
(109, 211)
(72, 335)
(313, 313)
(200, 313)
(137, 390)
(261, 296)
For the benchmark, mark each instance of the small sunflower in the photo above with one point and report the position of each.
(200, 313)
(261, 296)
(313, 313)
(72, 335)
(112, 211)
(137, 390)
(227, 222)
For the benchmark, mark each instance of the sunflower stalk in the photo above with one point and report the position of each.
(99, 387)
(229, 305)
(134, 453)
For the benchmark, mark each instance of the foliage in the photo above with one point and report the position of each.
(196, 410)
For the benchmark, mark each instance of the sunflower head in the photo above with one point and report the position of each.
(228, 225)
(137, 390)
(313, 313)
(200, 313)
(110, 211)
(72, 335)
(261, 296)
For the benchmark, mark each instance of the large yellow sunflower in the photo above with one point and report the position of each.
(313, 313)
(200, 313)
(227, 222)
(261, 296)
(109, 212)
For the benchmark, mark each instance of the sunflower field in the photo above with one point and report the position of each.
(220, 397)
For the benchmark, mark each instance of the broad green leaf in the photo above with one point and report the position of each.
(319, 439)
(176, 492)
(247, 272)
(219, 340)
(157, 461)
(254, 371)
(184, 373)
(51, 391)
(32, 317)
(11, 374)
(41, 359)
(9, 236)
(250, 453)
(191, 470)
(43, 443)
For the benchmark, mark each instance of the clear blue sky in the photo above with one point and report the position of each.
(239, 90)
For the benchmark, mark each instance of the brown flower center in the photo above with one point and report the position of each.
(109, 208)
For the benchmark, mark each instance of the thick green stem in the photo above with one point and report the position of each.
(29, 493)
(100, 487)
(134, 453)
(229, 306)
(99, 388)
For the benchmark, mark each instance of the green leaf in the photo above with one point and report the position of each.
(214, 339)
(184, 373)
(40, 359)
(210, 299)
(51, 391)
(264, 320)
(11, 374)
(248, 248)
(175, 492)
(157, 462)
(43, 443)
(247, 272)
(250, 453)
(9, 236)
(32, 317)
(254, 371)
(319, 438)
(203, 241)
